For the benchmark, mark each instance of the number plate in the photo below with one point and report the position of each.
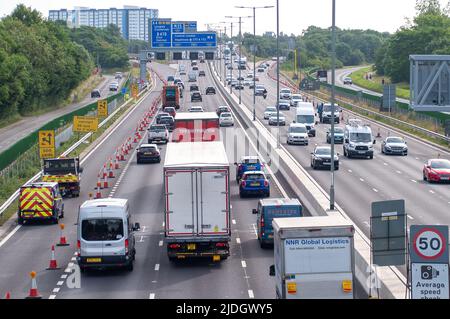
(255, 184)
(191, 246)
(361, 152)
(94, 260)
(445, 178)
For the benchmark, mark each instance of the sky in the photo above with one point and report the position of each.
(295, 15)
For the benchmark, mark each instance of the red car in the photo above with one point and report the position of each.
(171, 110)
(437, 170)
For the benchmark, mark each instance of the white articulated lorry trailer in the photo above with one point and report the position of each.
(314, 258)
(197, 201)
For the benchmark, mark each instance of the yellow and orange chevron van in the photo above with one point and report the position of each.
(40, 201)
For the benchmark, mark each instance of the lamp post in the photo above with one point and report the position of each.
(240, 53)
(278, 74)
(333, 79)
(254, 52)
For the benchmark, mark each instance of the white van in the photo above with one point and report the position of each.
(358, 140)
(306, 115)
(192, 76)
(105, 234)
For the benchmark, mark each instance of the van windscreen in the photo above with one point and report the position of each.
(102, 229)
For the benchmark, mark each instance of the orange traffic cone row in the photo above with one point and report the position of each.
(53, 264)
(34, 293)
(62, 238)
(8, 295)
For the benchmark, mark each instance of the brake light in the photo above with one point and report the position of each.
(174, 246)
(79, 247)
(221, 245)
(126, 246)
(266, 183)
(262, 222)
(243, 183)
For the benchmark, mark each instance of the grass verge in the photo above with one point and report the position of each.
(375, 84)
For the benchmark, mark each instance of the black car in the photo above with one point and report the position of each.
(239, 87)
(168, 121)
(321, 158)
(196, 97)
(148, 153)
(202, 61)
(95, 93)
(160, 115)
(210, 90)
(194, 88)
(201, 73)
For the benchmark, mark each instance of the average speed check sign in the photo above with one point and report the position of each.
(429, 244)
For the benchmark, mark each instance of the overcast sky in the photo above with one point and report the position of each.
(295, 15)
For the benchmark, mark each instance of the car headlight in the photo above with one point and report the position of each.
(388, 147)
(352, 145)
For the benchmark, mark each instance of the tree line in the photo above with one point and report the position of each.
(41, 62)
(353, 47)
(427, 33)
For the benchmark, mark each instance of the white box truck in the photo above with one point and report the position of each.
(314, 258)
(197, 201)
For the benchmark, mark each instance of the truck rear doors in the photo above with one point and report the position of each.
(197, 202)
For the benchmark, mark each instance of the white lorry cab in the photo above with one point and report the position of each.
(358, 140)
(105, 234)
(305, 114)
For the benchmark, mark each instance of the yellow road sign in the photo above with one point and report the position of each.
(102, 106)
(84, 124)
(47, 152)
(47, 139)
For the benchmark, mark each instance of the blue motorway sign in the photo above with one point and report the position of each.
(177, 27)
(194, 40)
(190, 26)
(161, 33)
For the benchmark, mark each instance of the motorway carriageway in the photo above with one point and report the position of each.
(243, 275)
(359, 182)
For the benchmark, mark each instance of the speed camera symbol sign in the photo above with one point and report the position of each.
(429, 244)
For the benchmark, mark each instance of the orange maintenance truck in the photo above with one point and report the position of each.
(66, 172)
(171, 96)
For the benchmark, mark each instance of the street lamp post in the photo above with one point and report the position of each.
(254, 53)
(333, 79)
(278, 74)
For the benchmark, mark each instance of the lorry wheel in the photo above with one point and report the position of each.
(371, 157)
(20, 221)
(55, 220)
(241, 195)
(173, 259)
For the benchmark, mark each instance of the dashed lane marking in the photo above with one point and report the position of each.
(52, 297)
(362, 180)
(157, 267)
(56, 290)
(60, 283)
(375, 190)
(244, 264)
(152, 296)
(251, 295)
(234, 222)
(410, 217)
(161, 243)
(238, 240)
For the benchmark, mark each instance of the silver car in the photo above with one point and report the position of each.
(273, 120)
(394, 145)
(226, 119)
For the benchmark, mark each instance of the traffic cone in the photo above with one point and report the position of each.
(135, 140)
(34, 293)
(62, 238)
(105, 173)
(99, 182)
(378, 134)
(53, 264)
(105, 183)
(122, 155)
(111, 173)
(98, 193)
(116, 164)
(8, 295)
(111, 165)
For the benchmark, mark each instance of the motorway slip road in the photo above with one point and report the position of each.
(15, 132)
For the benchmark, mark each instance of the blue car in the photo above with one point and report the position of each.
(254, 183)
(248, 164)
(271, 208)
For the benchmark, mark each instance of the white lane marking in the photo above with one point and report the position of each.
(141, 240)
(244, 264)
(362, 180)
(432, 192)
(161, 243)
(238, 240)
(234, 222)
(73, 259)
(64, 276)
(164, 224)
(157, 267)
(70, 265)
(52, 297)
(10, 235)
(251, 294)
(375, 190)
(350, 171)
(56, 290)
(254, 230)
(68, 270)
(398, 172)
(152, 296)
(60, 283)
(410, 217)
(385, 164)
(414, 181)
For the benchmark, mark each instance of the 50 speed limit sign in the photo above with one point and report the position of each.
(429, 244)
